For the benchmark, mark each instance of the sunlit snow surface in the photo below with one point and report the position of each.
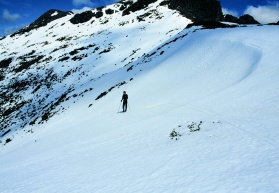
(227, 79)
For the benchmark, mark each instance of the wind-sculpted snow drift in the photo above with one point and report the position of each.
(214, 90)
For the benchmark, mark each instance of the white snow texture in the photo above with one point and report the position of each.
(224, 80)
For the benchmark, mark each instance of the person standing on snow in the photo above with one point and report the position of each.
(125, 101)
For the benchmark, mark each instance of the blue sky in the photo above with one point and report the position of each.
(15, 14)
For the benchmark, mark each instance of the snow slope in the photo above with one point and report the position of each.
(217, 89)
(226, 78)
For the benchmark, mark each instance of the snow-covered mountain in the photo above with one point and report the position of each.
(61, 57)
(203, 103)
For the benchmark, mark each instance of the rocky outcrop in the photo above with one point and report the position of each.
(5, 63)
(245, 19)
(86, 16)
(136, 6)
(82, 17)
(197, 10)
(109, 11)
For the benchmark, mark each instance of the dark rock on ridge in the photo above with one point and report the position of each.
(197, 10)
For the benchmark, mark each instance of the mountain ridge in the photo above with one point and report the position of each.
(197, 11)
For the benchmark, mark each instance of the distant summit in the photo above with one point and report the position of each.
(43, 20)
(49, 16)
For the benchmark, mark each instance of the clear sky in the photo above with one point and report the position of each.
(15, 14)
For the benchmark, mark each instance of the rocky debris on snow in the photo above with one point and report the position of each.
(190, 127)
(175, 134)
(25, 64)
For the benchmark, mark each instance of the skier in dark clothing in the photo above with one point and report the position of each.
(125, 101)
